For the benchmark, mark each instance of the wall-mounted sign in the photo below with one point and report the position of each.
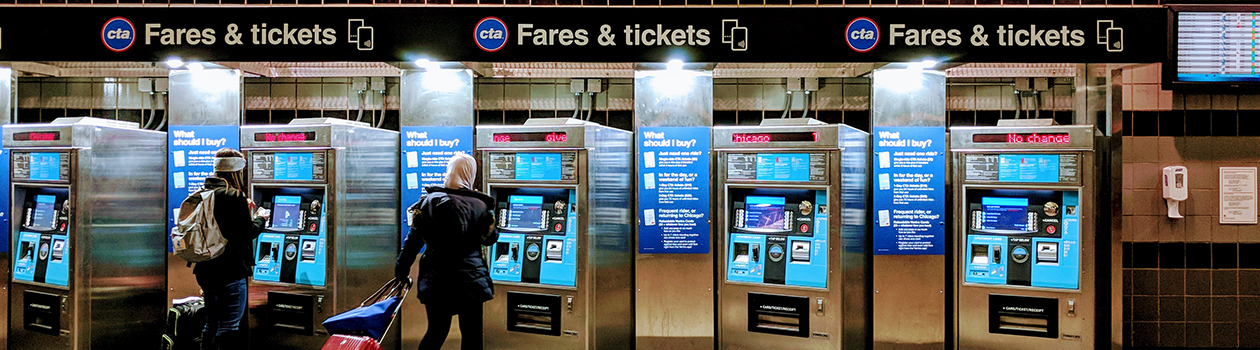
(674, 190)
(522, 34)
(1238, 195)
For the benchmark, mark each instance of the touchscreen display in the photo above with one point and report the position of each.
(287, 213)
(764, 213)
(44, 214)
(525, 212)
(294, 166)
(1003, 214)
(45, 166)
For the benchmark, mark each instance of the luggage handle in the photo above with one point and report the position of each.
(394, 288)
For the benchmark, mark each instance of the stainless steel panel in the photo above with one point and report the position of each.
(206, 97)
(914, 317)
(441, 97)
(117, 283)
(602, 314)
(362, 219)
(675, 300)
(673, 98)
(904, 97)
(8, 96)
(843, 321)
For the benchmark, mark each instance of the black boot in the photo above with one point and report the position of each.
(208, 342)
(230, 340)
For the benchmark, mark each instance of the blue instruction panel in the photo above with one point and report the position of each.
(425, 151)
(190, 160)
(783, 167)
(538, 237)
(673, 210)
(538, 166)
(1023, 238)
(909, 191)
(294, 166)
(778, 237)
(1028, 168)
(42, 258)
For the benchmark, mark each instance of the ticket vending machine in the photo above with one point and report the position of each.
(88, 254)
(1032, 240)
(792, 206)
(561, 266)
(332, 188)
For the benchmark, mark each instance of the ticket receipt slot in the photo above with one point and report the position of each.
(1032, 237)
(561, 265)
(793, 212)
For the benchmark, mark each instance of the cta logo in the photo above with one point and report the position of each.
(862, 34)
(491, 34)
(118, 34)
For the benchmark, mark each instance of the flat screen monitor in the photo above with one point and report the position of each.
(1003, 214)
(44, 214)
(1215, 47)
(765, 213)
(288, 213)
(294, 166)
(525, 213)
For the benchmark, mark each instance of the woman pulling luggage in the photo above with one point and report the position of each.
(454, 221)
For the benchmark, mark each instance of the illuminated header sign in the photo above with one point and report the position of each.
(1022, 138)
(775, 137)
(531, 137)
(37, 136)
(284, 136)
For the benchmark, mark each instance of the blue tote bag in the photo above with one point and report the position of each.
(374, 316)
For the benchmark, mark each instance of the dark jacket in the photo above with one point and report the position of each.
(239, 227)
(455, 224)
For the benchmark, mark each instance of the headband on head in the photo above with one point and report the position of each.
(228, 164)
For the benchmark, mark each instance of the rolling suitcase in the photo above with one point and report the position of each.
(363, 327)
(184, 323)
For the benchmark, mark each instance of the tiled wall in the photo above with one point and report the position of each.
(1188, 282)
(512, 100)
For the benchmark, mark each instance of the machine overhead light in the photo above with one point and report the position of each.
(674, 64)
(195, 66)
(427, 64)
(174, 62)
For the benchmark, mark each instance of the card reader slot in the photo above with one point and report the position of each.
(980, 254)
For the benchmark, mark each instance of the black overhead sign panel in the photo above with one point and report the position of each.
(514, 34)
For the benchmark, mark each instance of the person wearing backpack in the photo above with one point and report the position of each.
(455, 221)
(224, 280)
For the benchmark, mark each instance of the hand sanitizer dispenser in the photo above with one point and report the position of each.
(1175, 189)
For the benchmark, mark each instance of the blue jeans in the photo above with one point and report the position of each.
(225, 306)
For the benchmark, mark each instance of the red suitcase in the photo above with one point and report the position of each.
(351, 342)
(362, 342)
